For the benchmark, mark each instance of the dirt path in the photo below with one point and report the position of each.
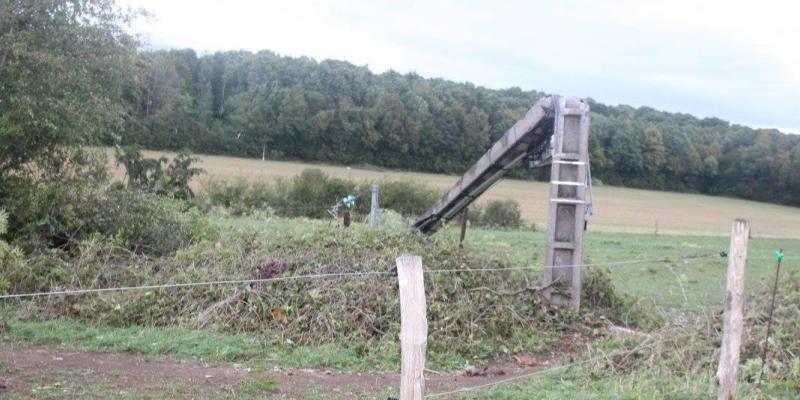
(43, 372)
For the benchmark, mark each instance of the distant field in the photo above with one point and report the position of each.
(616, 209)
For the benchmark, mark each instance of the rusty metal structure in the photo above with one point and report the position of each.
(554, 132)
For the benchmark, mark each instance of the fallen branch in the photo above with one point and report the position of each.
(527, 288)
(204, 316)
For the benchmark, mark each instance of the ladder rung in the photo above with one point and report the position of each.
(569, 162)
(567, 183)
(568, 201)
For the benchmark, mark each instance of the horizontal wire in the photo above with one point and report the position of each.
(599, 264)
(193, 284)
(312, 276)
(541, 372)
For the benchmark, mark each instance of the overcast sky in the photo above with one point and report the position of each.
(737, 60)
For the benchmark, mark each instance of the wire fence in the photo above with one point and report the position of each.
(357, 274)
(641, 345)
(646, 343)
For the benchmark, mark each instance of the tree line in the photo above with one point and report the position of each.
(277, 107)
(71, 75)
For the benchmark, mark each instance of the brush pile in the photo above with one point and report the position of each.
(470, 313)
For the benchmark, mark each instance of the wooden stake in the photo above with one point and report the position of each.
(779, 258)
(373, 206)
(346, 221)
(733, 320)
(464, 220)
(413, 327)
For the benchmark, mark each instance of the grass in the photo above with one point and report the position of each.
(658, 284)
(204, 345)
(616, 209)
(692, 280)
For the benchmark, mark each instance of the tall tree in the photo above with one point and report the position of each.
(61, 65)
(264, 104)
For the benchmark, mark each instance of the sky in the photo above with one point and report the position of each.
(736, 60)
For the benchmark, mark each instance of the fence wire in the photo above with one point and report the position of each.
(642, 345)
(332, 275)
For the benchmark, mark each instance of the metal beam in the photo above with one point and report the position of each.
(528, 134)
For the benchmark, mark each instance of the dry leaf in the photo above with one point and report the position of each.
(526, 360)
(279, 315)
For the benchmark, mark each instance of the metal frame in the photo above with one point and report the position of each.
(555, 132)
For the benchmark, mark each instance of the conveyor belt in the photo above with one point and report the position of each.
(529, 137)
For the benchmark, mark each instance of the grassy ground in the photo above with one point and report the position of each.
(616, 209)
(692, 279)
(685, 274)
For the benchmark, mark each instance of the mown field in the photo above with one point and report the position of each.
(616, 209)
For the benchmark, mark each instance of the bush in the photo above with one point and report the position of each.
(239, 196)
(158, 175)
(312, 193)
(406, 197)
(49, 215)
(11, 257)
(497, 214)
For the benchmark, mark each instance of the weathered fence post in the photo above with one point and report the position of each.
(733, 320)
(346, 219)
(464, 220)
(373, 208)
(413, 327)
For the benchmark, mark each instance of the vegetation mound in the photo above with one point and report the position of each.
(474, 314)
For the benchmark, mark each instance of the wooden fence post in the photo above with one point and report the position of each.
(373, 208)
(464, 220)
(733, 320)
(413, 327)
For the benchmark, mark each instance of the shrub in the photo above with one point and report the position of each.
(75, 164)
(158, 175)
(498, 214)
(57, 216)
(312, 193)
(11, 257)
(406, 197)
(239, 196)
(145, 223)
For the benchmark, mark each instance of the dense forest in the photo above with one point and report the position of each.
(276, 107)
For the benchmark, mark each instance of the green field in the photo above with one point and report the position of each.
(616, 209)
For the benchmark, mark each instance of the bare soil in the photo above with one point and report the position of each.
(26, 371)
